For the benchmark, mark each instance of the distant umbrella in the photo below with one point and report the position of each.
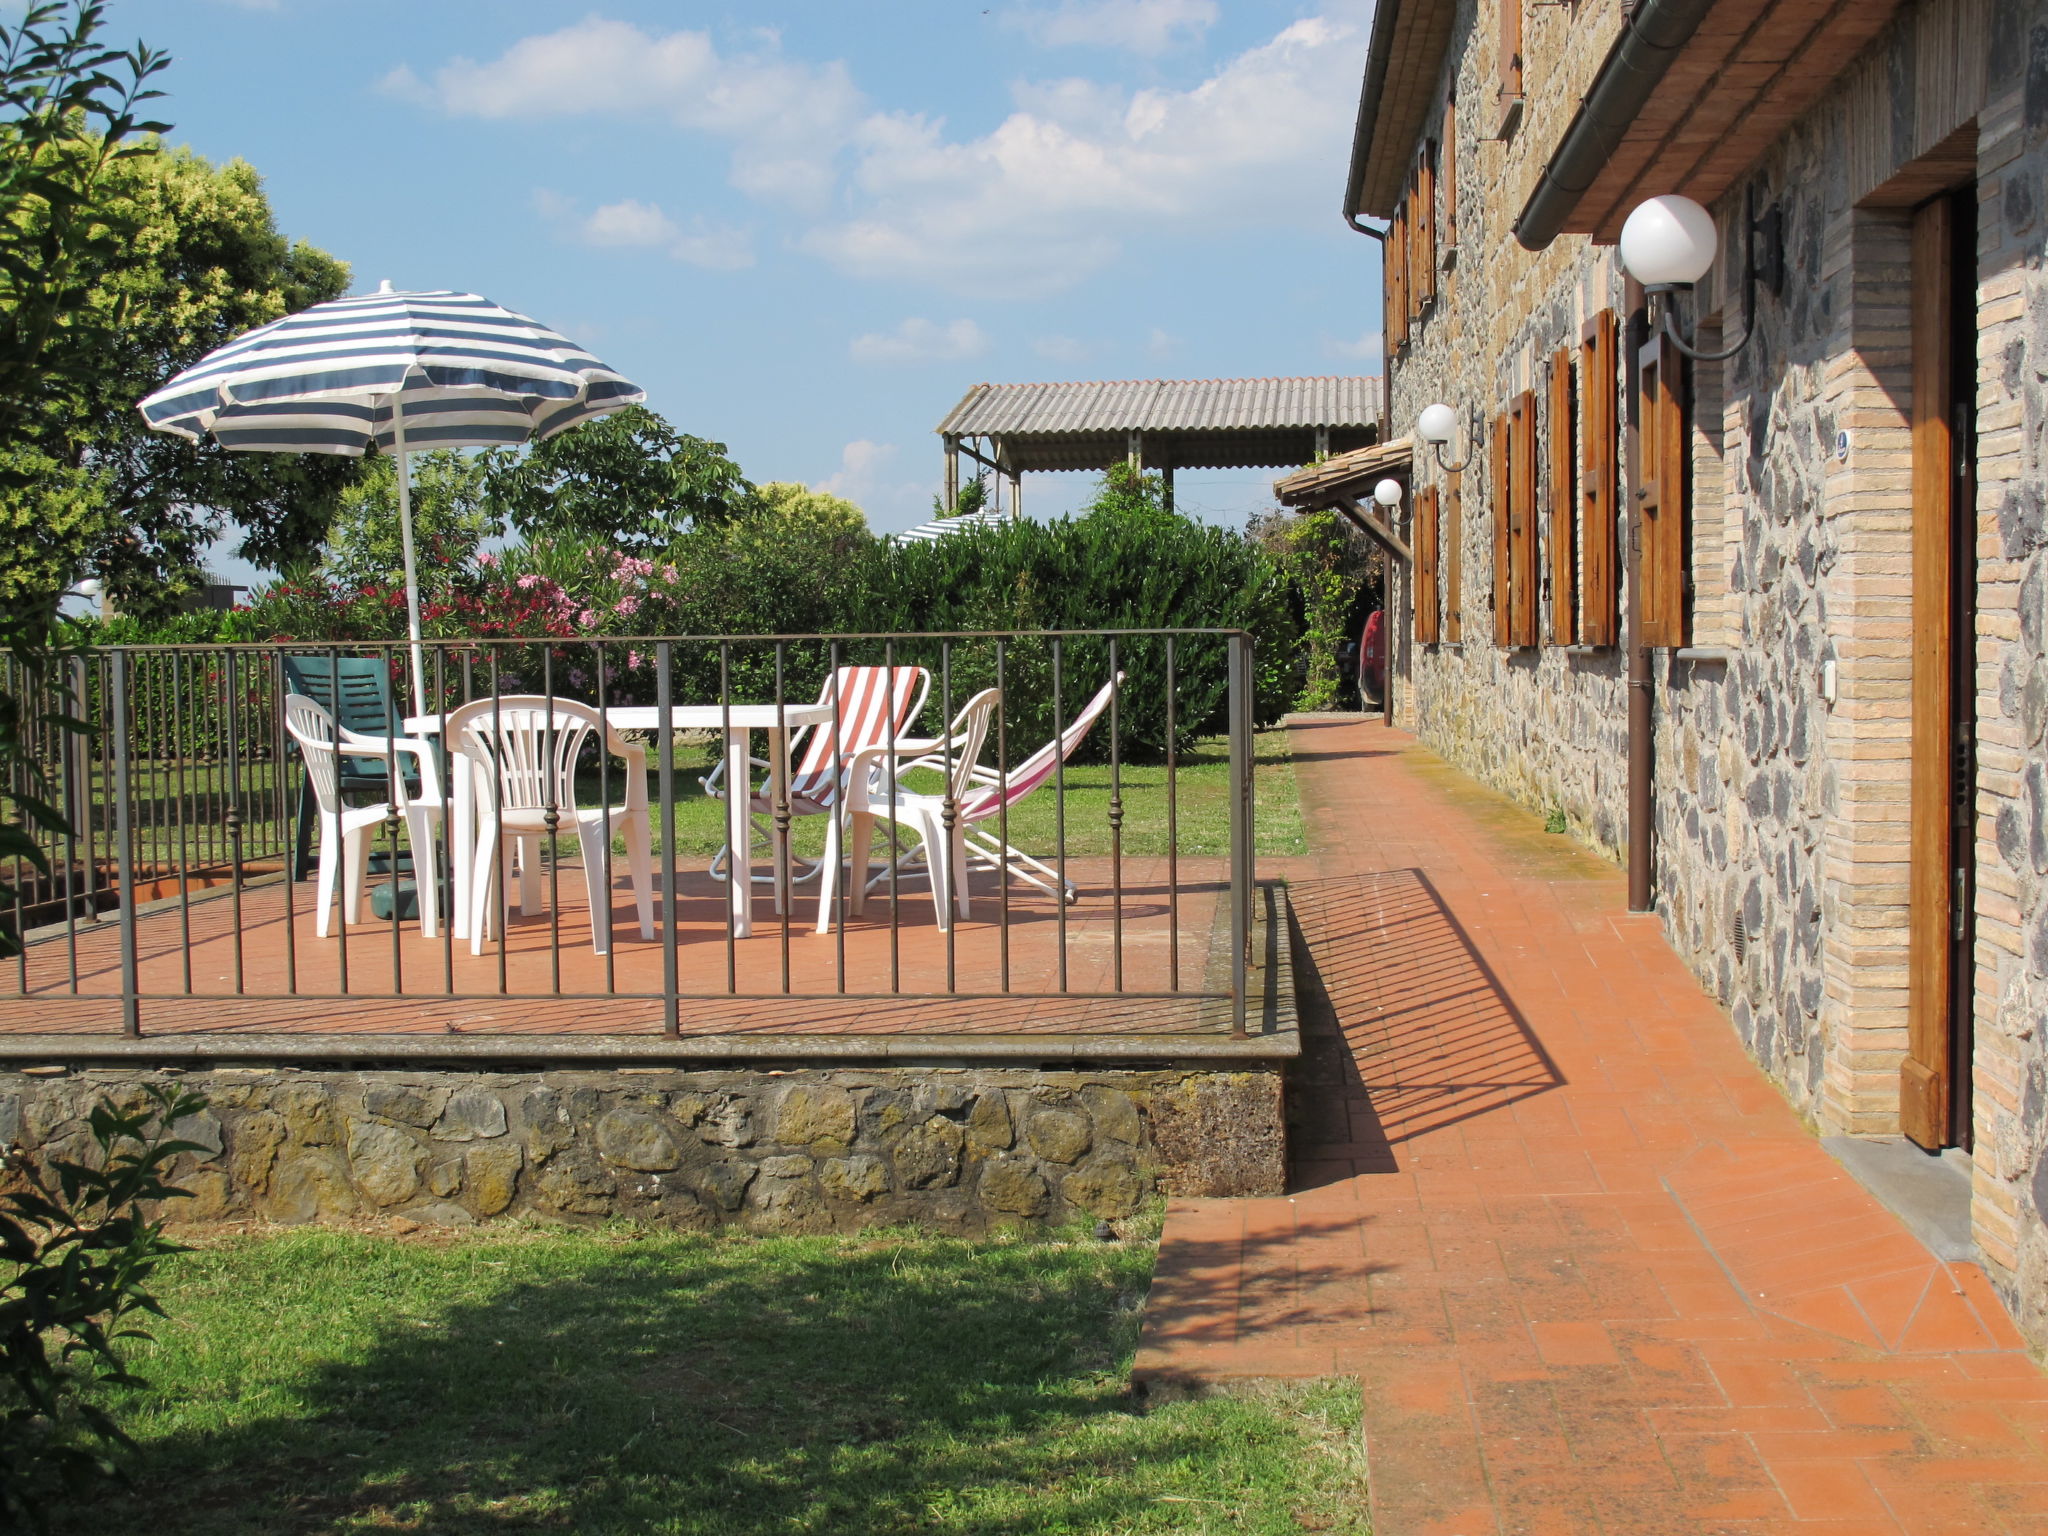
(945, 527)
(329, 379)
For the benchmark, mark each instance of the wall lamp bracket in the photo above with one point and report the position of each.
(1675, 244)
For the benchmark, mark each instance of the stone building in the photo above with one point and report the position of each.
(1822, 555)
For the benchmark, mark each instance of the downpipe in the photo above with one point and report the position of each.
(1642, 765)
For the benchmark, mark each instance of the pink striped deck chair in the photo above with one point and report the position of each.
(876, 706)
(993, 792)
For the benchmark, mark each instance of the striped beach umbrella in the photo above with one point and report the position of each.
(946, 527)
(405, 371)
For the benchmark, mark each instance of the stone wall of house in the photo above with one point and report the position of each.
(1781, 819)
(834, 1149)
(2011, 1152)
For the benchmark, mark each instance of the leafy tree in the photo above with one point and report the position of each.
(973, 497)
(1128, 494)
(201, 261)
(628, 480)
(799, 505)
(452, 516)
(69, 113)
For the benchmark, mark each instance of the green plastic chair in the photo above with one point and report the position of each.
(356, 691)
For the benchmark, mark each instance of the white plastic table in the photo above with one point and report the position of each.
(737, 721)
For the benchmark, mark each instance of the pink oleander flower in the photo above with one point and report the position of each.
(629, 605)
(587, 618)
(528, 582)
(488, 560)
(635, 661)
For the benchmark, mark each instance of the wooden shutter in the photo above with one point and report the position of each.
(1661, 495)
(1599, 481)
(1396, 253)
(1502, 566)
(1454, 557)
(1424, 264)
(1427, 629)
(1510, 60)
(1561, 510)
(1522, 549)
(1924, 1089)
(1447, 176)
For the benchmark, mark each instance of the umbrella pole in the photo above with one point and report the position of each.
(412, 579)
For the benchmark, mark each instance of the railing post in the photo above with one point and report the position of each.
(1241, 872)
(665, 757)
(124, 851)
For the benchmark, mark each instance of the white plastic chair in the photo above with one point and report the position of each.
(872, 795)
(523, 752)
(346, 830)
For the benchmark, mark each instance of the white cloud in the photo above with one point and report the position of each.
(863, 477)
(1061, 349)
(785, 119)
(918, 340)
(1036, 204)
(1162, 343)
(1051, 193)
(1365, 348)
(1140, 26)
(630, 224)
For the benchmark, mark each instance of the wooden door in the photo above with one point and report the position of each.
(1934, 1079)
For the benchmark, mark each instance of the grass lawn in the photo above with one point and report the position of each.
(1201, 790)
(624, 1380)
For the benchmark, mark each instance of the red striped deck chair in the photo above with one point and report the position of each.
(995, 792)
(876, 706)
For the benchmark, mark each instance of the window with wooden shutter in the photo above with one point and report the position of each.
(1427, 629)
(1522, 547)
(1560, 511)
(1454, 557)
(1509, 62)
(1663, 457)
(1502, 582)
(1423, 259)
(1447, 177)
(1599, 481)
(1395, 253)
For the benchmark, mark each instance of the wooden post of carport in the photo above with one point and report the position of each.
(952, 442)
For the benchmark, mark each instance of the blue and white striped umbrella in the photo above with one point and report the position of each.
(946, 527)
(472, 374)
(407, 371)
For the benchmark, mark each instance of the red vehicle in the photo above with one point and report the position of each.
(1372, 660)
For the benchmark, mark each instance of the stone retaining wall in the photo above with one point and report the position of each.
(832, 1149)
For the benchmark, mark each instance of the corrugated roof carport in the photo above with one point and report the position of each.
(1156, 424)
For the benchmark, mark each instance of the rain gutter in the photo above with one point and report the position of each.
(1652, 35)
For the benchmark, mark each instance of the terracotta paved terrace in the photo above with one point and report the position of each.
(1592, 1272)
(214, 961)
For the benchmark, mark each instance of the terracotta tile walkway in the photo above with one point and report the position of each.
(1591, 1270)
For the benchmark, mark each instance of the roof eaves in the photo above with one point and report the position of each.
(1369, 95)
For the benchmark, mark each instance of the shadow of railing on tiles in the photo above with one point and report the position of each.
(1406, 1030)
(1218, 1286)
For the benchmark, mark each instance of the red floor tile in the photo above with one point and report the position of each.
(1606, 1282)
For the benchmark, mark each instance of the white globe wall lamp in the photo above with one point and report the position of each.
(1436, 426)
(1388, 494)
(1669, 242)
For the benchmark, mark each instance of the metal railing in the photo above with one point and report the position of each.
(178, 901)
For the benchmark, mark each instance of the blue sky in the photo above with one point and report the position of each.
(807, 228)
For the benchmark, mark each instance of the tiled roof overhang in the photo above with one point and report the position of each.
(1691, 95)
(1345, 475)
(1183, 423)
(1401, 67)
